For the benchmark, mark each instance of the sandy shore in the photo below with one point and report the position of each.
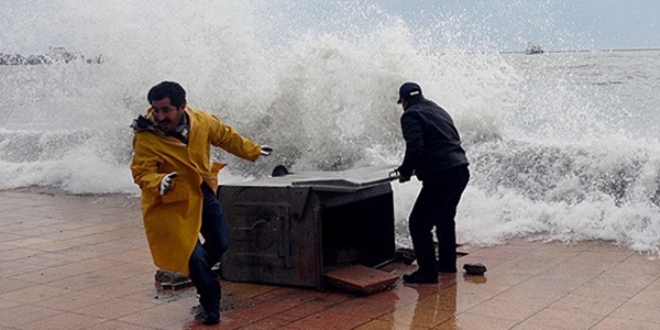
(82, 262)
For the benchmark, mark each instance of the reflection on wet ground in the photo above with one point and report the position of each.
(82, 262)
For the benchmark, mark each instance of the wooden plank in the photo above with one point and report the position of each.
(360, 279)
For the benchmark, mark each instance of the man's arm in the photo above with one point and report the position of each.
(144, 167)
(412, 133)
(225, 137)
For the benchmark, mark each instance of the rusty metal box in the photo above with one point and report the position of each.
(291, 229)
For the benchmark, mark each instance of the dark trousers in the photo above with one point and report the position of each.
(216, 242)
(436, 206)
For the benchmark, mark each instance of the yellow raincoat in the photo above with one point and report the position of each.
(172, 222)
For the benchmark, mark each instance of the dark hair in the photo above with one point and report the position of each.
(170, 89)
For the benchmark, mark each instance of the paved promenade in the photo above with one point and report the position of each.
(82, 262)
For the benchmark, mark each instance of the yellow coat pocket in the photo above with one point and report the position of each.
(180, 192)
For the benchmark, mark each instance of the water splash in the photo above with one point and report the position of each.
(560, 144)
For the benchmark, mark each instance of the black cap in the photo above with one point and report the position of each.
(409, 91)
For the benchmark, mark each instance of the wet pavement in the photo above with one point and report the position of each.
(82, 262)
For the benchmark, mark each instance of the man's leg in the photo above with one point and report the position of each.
(449, 191)
(422, 220)
(205, 282)
(214, 227)
(445, 231)
(216, 241)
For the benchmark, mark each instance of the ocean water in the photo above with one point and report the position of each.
(562, 146)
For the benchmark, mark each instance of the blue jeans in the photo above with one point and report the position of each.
(216, 242)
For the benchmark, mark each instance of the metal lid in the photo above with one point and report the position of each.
(341, 181)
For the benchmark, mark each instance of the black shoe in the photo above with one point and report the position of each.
(447, 267)
(421, 278)
(210, 317)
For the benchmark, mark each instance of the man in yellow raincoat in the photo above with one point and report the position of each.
(171, 164)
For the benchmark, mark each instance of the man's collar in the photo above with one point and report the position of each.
(182, 129)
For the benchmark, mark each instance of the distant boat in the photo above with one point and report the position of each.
(533, 49)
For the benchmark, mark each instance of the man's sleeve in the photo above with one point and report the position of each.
(412, 133)
(144, 167)
(225, 137)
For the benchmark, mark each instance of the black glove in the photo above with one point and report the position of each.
(266, 150)
(167, 183)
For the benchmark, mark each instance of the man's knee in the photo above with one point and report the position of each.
(223, 246)
(197, 260)
(217, 243)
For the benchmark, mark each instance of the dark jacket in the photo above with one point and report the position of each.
(433, 144)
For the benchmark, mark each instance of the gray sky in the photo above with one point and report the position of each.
(557, 24)
(30, 26)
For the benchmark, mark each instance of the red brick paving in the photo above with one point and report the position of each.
(82, 262)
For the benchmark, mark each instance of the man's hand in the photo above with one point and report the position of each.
(167, 183)
(266, 150)
(397, 174)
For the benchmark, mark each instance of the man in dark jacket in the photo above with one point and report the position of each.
(434, 154)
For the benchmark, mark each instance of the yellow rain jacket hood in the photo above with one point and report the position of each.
(172, 222)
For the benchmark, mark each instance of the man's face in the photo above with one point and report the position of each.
(166, 115)
(403, 104)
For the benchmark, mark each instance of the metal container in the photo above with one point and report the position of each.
(289, 230)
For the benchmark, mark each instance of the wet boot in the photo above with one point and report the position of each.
(210, 316)
(420, 277)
